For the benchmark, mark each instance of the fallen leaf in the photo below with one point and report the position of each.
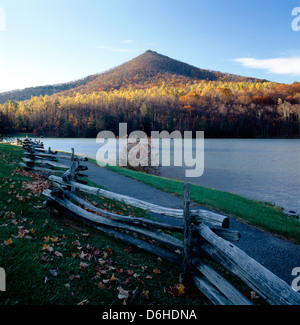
(101, 285)
(177, 290)
(9, 214)
(77, 276)
(45, 247)
(45, 259)
(53, 273)
(127, 280)
(83, 264)
(82, 255)
(96, 251)
(127, 249)
(58, 254)
(180, 288)
(123, 294)
(111, 268)
(8, 241)
(101, 261)
(156, 271)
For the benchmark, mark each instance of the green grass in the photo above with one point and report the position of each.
(22, 135)
(260, 214)
(50, 258)
(54, 259)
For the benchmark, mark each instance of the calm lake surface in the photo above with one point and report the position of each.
(261, 169)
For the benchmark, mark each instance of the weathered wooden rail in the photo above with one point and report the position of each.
(205, 237)
(38, 159)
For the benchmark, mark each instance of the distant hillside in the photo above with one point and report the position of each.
(154, 92)
(23, 94)
(151, 68)
(148, 69)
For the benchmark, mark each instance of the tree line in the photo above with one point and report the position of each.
(221, 109)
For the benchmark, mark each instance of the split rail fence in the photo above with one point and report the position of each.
(206, 234)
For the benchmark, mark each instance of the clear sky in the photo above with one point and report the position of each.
(52, 41)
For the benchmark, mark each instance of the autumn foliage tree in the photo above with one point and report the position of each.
(5, 125)
(153, 92)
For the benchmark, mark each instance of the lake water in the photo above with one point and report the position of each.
(261, 169)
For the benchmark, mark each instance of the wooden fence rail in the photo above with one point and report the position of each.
(211, 218)
(205, 235)
(38, 159)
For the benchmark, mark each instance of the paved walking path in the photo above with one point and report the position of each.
(277, 255)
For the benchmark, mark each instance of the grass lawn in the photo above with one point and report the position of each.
(52, 259)
(259, 214)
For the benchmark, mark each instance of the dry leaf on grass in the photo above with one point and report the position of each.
(123, 294)
(8, 241)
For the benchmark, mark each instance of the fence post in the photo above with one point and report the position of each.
(188, 236)
(72, 169)
(33, 156)
(72, 176)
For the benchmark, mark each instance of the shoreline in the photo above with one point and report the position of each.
(21, 135)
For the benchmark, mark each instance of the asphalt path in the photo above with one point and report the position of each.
(276, 254)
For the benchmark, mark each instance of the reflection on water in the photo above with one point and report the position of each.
(262, 169)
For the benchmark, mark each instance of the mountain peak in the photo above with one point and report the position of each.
(150, 51)
(146, 70)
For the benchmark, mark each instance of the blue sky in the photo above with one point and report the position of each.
(52, 41)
